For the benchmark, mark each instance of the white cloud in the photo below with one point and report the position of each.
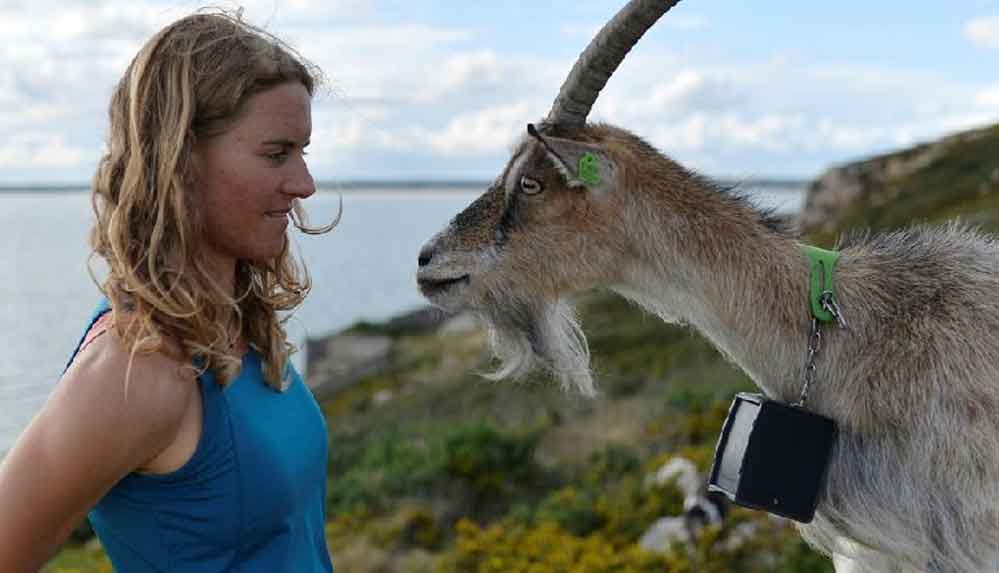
(482, 131)
(983, 31)
(771, 131)
(776, 108)
(479, 132)
(344, 129)
(988, 97)
(690, 134)
(686, 23)
(40, 150)
(702, 130)
(434, 92)
(307, 13)
(465, 69)
(679, 22)
(848, 137)
(577, 31)
(387, 63)
(21, 113)
(687, 91)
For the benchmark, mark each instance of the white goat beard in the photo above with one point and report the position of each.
(525, 336)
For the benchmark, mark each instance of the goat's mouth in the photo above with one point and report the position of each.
(435, 288)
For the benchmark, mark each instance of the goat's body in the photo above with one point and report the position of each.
(913, 381)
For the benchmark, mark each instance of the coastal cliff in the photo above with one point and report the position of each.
(956, 177)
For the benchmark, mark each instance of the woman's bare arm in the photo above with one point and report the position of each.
(88, 435)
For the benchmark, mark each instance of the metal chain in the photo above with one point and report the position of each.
(828, 303)
(814, 340)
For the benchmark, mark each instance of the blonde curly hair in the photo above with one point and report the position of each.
(191, 81)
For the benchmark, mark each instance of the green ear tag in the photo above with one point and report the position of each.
(589, 169)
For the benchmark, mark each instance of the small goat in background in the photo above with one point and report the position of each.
(913, 382)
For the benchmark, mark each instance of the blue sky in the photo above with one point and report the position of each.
(441, 90)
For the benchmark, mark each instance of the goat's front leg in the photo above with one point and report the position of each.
(870, 562)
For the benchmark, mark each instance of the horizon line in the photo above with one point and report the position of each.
(415, 183)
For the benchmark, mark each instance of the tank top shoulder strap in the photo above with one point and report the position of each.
(100, 314)
(98, 328)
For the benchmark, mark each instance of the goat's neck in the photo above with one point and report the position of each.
(740, 284)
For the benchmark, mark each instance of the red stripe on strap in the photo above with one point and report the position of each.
(99, 327)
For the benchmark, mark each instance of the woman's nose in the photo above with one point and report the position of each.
(300, 183)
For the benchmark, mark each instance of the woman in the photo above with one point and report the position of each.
(180, 424)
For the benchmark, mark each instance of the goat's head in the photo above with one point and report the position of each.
(549, 225)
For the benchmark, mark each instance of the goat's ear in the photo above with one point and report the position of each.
(580, 164)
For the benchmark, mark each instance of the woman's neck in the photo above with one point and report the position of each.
(222, 268)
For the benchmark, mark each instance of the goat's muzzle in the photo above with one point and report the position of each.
(431, 288)
(440, 282)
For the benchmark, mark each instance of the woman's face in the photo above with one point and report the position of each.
(248, 176)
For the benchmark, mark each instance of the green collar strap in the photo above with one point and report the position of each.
(822, 264)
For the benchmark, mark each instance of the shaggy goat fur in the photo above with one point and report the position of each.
(913, 381)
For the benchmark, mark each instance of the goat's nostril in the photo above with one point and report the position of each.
(426, 253)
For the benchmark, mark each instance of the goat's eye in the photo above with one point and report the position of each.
(530, 186)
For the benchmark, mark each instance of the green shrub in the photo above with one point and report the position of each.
(474, 468)
(489, 459)
(610, 464)
(573, 509)
(87, 558)
(545, 548)
(371, 472)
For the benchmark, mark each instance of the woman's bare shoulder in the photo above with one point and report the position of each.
(155, 386)
(110, 414)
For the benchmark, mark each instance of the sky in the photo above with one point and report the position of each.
(441, 90)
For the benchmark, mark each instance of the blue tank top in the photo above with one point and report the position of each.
(251, 498)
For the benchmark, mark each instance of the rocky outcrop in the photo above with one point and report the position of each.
(340, 360)
(952, 170)
(345, 359)
(421, 321)
(840, 186)
(699, 507)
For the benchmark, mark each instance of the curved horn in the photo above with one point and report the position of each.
(599, 60)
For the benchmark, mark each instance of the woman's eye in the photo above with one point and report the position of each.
(278, 156)
(530, 186)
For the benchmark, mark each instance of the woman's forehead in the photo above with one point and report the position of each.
(283, 111)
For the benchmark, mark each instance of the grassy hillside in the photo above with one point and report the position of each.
(954, 178)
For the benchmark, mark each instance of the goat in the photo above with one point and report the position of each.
(912, 381)
(700, 508)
